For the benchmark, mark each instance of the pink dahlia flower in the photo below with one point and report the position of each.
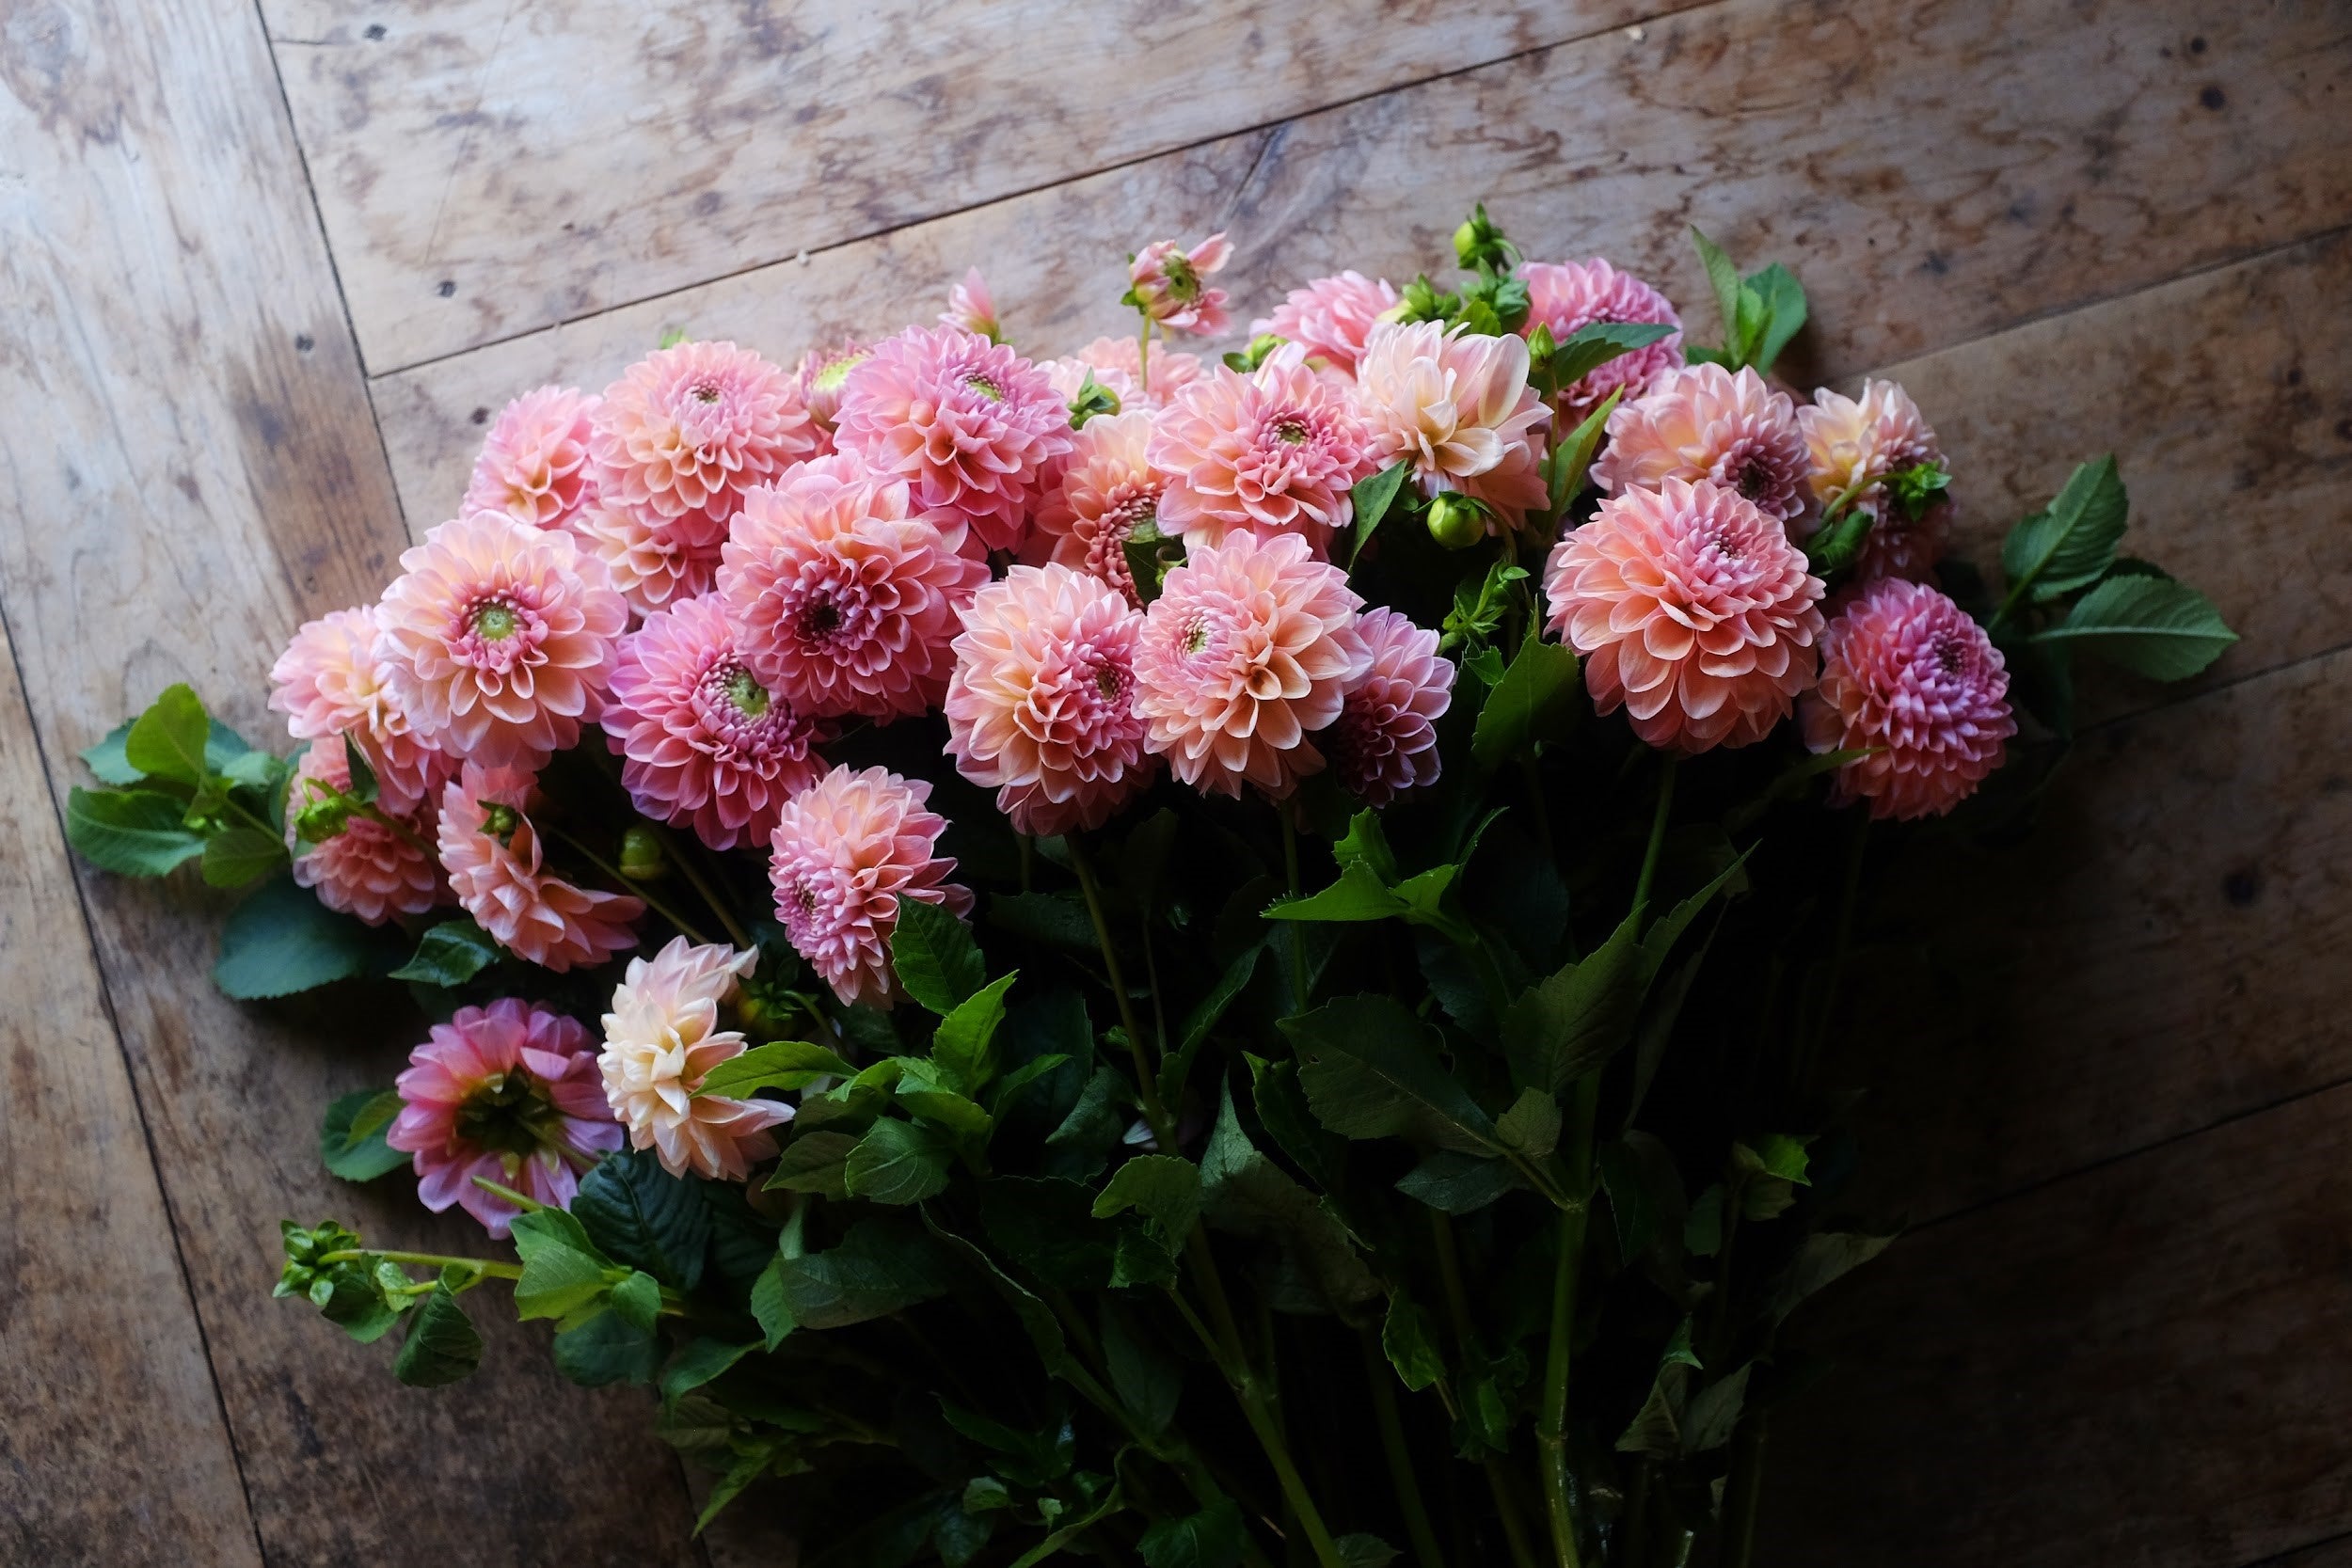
(1704, 421)
(1106, 491)
(1856, 445)
(1112, 362)
(497, 867)
(534, 465)
(647, 562)
(507, 1093)
(820, 377)
(1565, 296)
(843, 597)
(1275, 452)
(660, 1039)
(1692, 609)
(1043, 706)
(1164, 282)
(367, 869)
(687, 430)
(1250, 646)
(969, 424)
(1457, 407)
(971, 309)
(845, 850)
(329, 683)
(1904, 669)
(1332, 316)
(702, 743)
(496, 640)
(1384, 740)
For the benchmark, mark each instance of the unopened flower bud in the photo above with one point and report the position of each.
(642, 857)
(499, 820)
(323, 819)
(1478, 244)
(1457, 521)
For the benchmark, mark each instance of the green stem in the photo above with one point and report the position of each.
(1857, 847)
(1401, 1472)
(1292, 941)
(1552, 1425)
(702, 886)
(1147, 1086)
(1657, 833)
(1253, 1408)
(481, 1266)
(614, 874)
(1743, 1493)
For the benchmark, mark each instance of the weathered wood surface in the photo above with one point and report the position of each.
(486, 169)
(190, 468)
(1937, 172)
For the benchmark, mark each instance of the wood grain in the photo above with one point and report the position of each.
(1935, 171)
(189, 469)
(2142, 1364)
(486, 169)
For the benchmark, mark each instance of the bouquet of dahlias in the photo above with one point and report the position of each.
(1202, 960)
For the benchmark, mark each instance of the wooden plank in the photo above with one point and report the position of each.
(2141, 1364)
(100, 1354)
(454, 143)
(189, 468)
(2052, 157)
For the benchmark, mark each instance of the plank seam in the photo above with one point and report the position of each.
(2293, 1552)
(138, 1103)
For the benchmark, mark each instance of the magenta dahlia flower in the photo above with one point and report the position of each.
(1384, 740)
(971, 309)
(820, 377)
(1332, 316)
(702, 743)
(1106, 491)
(1693, 610)
(660, 1040)
(969, 424)
(1566, 296)
(497, 867)
(1164, 282)
(1456, 405)
(1275, 452)
(368, 869)
(649, 563)
(1043, 706)
(687, 430)
(1907, 674)
(534, 466)
(330, 683)
(1857, 444)
(845, 850)
(1704, 421)
(1249, 647)
(843, 596)
(507, 1093)
(496, 640)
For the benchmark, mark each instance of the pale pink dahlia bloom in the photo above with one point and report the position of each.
(1042, 705)
(843, 596)
(496, 640)
(497, 867)
(648, 563)
(330, 682)
(1250, 646)
(1456, 406)
(845, 850)
(969, 424)
(1106, 491)
(1164, 282)
(971, 309)
(507, 1093)
(1332, 316)
(1384, 740)
(534, 466)
(822, 374)
(660, 1039)
(1566, 296)
(1705, 421)
(1112, 362)
(1274, 452)
(1854, 445)
(702, 743)
(1906, 671)
(687, 430)
(367, 869)
(1692, 609)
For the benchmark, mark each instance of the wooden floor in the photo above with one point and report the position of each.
(265, 270)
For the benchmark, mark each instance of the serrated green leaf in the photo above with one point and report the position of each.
(1567, 464)
(1714, 1411)
(1150, 1383)
(607, 1349)
(642, 1217)
(1575, 1020)
(442, 1346)
(2072, 543)
(1358, 896)
(1589, 347)
(1459, 1182)
(898, 1163)
(1371, 1069)
(1211, 1537)
(449, 955)
(351, 1139)
(1784, 313)
(108, 761)
(168, 740)
(1046, 917)
(1532, 1125)
(562, 1270)
(1535, 702)
(1724, 278)
(700, 1362)
(1244, 1192)
(813, 1162)
(880, 1267)
(777, 1065)
(2153, 626)
(922, 1094)
(282, 940)
(237, 855)
(132, 833)
(1410, 1340)
(1372, 497)
(770, 1309)
(1362, 1550)
(965, 1045)
(934, 957)
(1164, 1186)
(638, 1300)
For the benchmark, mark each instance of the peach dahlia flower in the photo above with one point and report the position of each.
(660, 1040)
(687, 430)
(1384, 740)
(368, 869)
(845, 852)
(1457, 407)
(1106, 491)
(1704, 421)
(497, 867)
(1856, 445)
(534, 464)
(1565, 296)
(1332, 316)
(1274, 452)
(330, 683)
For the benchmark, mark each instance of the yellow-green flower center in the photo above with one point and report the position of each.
(986, 387)
(496, 621)
(749, 697)
(1292, 431)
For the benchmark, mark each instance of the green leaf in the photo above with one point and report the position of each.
(1659, 940)
(964, 1044)
(815, 1163)
(1839, 545)
(108, 761)
(1768, 1174)
(1209, 1009)
(2153, 626)
(642, 1217)
(1656, 1431)
(1821, 1259)
(1532, 1125)
(1036, 1318)
(352, 1297)
(562, 1270)
(1534, 702)
(1702, 1228)
(1362, 1550)
(777, 1065)
(237, 855)
(1588, 348)
(898, 1163)
(442, 1346)
(1247, 1194)
(1358, 896)
(282, 940)
(1459, 1183)
(1210, 1539)
(1646, 1197)
(1411, 1339)
(770, 1309)
(1784, 313)
(1290, 1120)
(1570, 462)
(449, 955)
(351, 1140)
(1714, 1411)
(607, 1349)
(1148, 1381)
(923, 1095)
(1371, 1069)
(132, 833)
(1572, 1023)
(700, 1362)
(362, 775)
(1367, 842)
(1164, 1186)
(168, 740)
(880, 1267)
(1724, 278)
(638, 1300)
(1046, 917)
(1373, 496)
(2071, 543)
(934, 956)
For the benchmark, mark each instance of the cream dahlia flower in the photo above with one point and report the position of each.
(1457, 407)
(660, 1040)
